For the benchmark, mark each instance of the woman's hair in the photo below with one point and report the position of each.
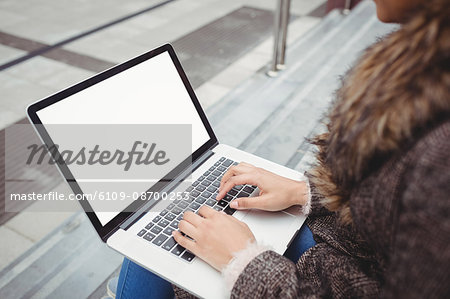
(400, 85)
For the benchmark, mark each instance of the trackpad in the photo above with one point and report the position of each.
(270, 228)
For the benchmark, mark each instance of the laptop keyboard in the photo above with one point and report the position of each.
(202, 192)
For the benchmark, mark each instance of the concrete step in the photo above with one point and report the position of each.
(72, 257)
(259, 85)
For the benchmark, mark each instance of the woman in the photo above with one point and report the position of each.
(380, 191)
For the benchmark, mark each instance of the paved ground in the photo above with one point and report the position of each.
(47, 45)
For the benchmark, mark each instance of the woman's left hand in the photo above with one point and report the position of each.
(216, 236)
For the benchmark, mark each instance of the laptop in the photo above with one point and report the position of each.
(152, 89)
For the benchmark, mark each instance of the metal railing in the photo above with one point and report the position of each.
(347, 7)
(281, 21)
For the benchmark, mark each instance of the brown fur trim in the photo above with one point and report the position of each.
(400, 85)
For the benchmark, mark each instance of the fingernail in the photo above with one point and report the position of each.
(234, 204)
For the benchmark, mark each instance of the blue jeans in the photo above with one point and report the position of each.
(136, 282)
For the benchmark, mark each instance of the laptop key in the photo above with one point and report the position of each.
(163, 223)
(248, 189)
(194, 206)
(141, 233)
(227, 162)
(206, 183)
(170, 207)
(217, 208)
(189, 189)
(156, 230)
(149, 236)
(170, 217)
(178, 250)
(200, 200)
(222, 203)
(160, 239)
(163, 213)
(206, 173)
(238, 187)
(232, 192)
(195, 183)
(217, 163)
(169, 244)
(227, 197)
(216, 173)
(195, 193)
(222, 159)
(229, 211)
(168, 231)
(188, 256)
(211, 189)
(177, 211)
(201, 187)
(206, 194)
(221, 168)
(211, 202)
(201, 178)
(149, 226)
(182, 205)
(188, 199)
(180, 217)
(175, 223)
(212, 168)
(216, 184)
(243, 194)
(156, 219)
(212, 178)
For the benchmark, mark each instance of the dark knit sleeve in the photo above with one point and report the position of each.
(419, 266)
(269, 275)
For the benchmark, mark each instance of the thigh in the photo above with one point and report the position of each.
(137, 282)
(301, 243)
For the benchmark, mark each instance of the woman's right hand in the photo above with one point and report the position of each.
(276, 192)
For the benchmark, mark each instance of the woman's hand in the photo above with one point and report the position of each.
(216, 236)
(276, 192)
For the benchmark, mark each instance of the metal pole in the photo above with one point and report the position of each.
(284, 27)
(347, 5)
(273, 72)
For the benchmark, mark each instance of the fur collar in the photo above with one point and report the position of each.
(400, 86)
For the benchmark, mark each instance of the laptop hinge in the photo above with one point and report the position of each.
(183, 175)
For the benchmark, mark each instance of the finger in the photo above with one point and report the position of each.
(192, 218)
(188, 229)
(247, 178)
(207, 212)
(243, 203)
(185, 242)
(234, 170)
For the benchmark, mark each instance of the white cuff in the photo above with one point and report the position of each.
(306, 209)
(240, 260)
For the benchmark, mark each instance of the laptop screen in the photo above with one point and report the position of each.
(150, 92)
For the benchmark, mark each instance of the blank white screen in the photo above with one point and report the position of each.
(151, 92)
